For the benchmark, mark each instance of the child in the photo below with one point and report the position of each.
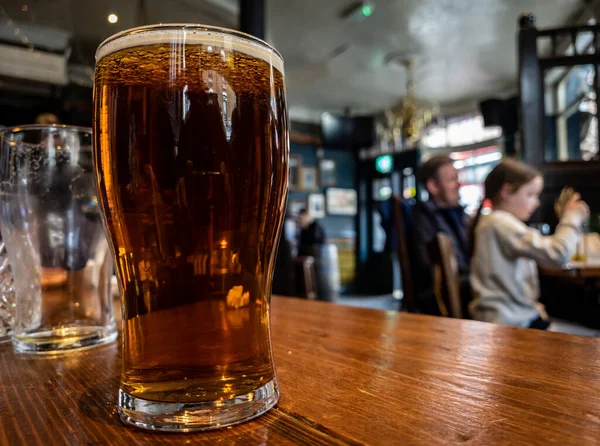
(505, 250)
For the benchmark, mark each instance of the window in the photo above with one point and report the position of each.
(460, 131)
(571, 110)
(576, 120)
(473, 167)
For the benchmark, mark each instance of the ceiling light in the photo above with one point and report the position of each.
(24, 8)
(112, 18)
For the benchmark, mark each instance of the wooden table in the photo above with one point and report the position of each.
(586, 269)
(582, 270)
(348, 376)
(571, 293)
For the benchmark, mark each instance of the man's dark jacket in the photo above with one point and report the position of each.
(427, 220)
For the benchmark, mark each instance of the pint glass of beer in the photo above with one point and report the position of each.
(191, 160)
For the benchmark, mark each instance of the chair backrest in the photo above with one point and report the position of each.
(403, 254)
(446, 276)
(306, 279)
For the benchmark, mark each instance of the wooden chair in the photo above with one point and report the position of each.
(446, 277)
(403, 254)
(306, 279)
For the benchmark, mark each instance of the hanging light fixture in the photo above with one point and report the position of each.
(410, 122)
(407, 119)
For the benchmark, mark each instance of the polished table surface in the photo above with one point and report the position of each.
(589, 269)
(583, 270)
(347, 376)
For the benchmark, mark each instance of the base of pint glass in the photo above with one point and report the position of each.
(64, 340)
(190, 417)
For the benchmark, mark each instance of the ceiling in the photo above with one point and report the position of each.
(463, 50)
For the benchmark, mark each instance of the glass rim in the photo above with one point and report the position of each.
(25, 127)
(248, 38)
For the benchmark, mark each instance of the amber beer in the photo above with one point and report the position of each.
(191, 157)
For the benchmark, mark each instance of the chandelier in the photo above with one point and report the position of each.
(403, 124)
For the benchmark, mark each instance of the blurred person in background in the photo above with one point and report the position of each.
(441, 213)
(311, 233)
(506, 252)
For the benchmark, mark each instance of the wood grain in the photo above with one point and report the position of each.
(347, 376)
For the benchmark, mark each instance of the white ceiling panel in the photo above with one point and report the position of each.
(463, 50)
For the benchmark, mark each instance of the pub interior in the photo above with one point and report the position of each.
(442, 193)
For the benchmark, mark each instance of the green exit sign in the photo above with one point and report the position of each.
(384, 163)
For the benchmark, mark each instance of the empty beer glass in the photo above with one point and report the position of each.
(57, 249)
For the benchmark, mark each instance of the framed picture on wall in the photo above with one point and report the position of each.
(309, 178)
(316, 205)
(341, 201)
(327, 173)
(295, 170)
(295, 206)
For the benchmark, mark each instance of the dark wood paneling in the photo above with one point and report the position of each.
(531, 93)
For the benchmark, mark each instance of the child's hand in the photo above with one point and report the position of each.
(565, 195)
(577, 205)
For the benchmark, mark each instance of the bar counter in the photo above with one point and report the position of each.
(347, 376)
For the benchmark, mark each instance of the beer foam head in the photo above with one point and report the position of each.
(175, 34)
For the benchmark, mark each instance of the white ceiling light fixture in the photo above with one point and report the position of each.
(113, 18)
